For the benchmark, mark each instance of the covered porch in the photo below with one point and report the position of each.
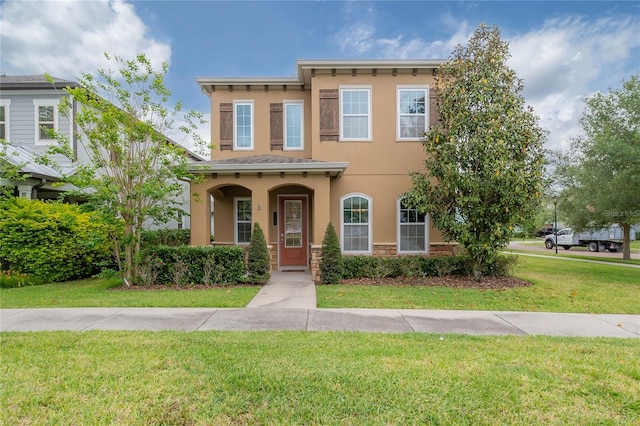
(288, 197)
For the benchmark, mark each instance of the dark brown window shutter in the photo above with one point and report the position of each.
(226, 127)
(434, 111)
(277, 128)
(329, 115)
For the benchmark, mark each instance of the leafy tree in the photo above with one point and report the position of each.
(259, 260)
(484, 168)
(331, 262)
(134, 172)
(601, 174)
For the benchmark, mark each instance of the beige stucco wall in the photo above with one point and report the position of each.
(378, 168)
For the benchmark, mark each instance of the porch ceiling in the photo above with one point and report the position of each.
(268, 164)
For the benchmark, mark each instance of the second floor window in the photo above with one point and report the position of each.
(355, 114)
(46, 119)
(293, 125)
(412, 112)
(243, 125)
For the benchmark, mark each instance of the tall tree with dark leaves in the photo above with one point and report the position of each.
(483, 171)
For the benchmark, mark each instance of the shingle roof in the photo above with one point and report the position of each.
(19, 156)
(39, 81)
(265, 159)
(269, 164)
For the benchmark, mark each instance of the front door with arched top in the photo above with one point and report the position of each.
(293, 229)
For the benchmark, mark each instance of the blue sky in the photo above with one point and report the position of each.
(563, 50)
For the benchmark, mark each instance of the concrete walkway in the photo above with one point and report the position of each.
(288, 302)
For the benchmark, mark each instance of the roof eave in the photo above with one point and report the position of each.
(335, 169)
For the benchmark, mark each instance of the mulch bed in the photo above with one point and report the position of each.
(453, 281)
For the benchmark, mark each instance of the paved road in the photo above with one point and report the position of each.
(516, 245)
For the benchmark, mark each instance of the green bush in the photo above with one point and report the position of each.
(418, 266)
(52, 240)
(11, 279)
(331, 264)
(192, 265)
(165, 237)
(259, 263)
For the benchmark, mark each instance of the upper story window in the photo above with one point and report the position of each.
(242, 207)
(412, 229)
(356, 223)
(4, 118)
(355, 113)
(46, 119)
(293, 125)
(243, 125)
(412, 112)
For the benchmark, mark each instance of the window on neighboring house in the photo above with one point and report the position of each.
(4, 119)
(355, 114)
(412, 229)
(46, 118)
(293, 125)
(243, 125)
(412, 112)
(356, 223)
(242, 207)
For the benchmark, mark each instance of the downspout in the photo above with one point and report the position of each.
(34, 189)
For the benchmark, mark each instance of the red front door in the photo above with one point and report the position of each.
(293, 232)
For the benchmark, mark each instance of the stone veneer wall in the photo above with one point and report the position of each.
(383, 250)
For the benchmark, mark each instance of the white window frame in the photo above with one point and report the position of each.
(236, 221)
(244, 102)
(37, 103)
(285, 104)
(404, 88)
(6, 103)
(361, 88)
(369, 224)
(399, 231)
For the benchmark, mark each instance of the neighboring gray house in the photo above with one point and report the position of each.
(27, 104)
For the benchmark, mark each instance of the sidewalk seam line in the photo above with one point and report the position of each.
(405, 320)
(510, 323)
(103, 319)
(207, 319)
(614, 325)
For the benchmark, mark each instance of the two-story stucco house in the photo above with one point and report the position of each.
(334, 144)
(29, 104)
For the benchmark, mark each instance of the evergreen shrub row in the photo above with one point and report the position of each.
(182, 265)
(165, 237)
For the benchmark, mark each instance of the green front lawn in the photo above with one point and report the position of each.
(149, 378)
(101, 293)
(559, 286)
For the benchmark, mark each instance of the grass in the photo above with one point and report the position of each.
(100, 293)
(153, 378)
(539, 242)
(559, 286)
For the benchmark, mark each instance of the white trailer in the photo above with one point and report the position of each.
(597, 240)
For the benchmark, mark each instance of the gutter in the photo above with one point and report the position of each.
(34, 189)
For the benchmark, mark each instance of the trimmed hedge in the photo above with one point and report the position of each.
(165, 237)
(408, 266)
(52, 240)
(193, 265)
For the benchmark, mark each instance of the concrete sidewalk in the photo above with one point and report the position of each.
(366, 320)
(288, 302)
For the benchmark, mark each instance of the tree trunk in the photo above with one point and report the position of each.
(626, 241)
(128, 252)
(477, 270)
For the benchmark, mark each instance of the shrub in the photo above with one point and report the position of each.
(165, 237)
(360, 266)
(52, 240)
(12, 279)
(160, 264)
(259, 263)
(331, 263)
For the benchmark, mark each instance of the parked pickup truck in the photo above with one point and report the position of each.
(598, 240)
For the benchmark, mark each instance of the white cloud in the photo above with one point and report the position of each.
(67, 38)
(562, 62)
